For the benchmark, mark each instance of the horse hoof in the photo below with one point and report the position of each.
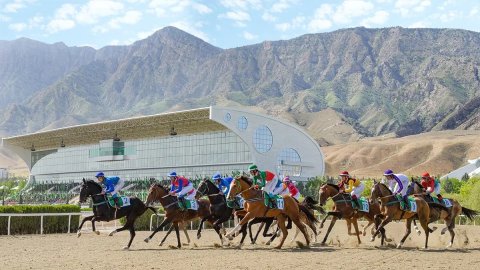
(388, 240)
(111, 234)
(449, 245)
(148, 240)
(372, 239)
(126, 248)
(198, 236)
(223, 231)
(278, 247)
(97, 232)
(79, 234)
(399, 245)
(268, 243)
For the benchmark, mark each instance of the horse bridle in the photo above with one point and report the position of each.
(207, 190)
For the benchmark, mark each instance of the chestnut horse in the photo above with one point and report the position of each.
(343, 209)
(390, 210)
(448, 215)
(173, 213)
(255, 207)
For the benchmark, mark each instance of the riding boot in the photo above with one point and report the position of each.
(183, 203)
(440, 198)
(117, 202)
(407, 203)
(357, 203)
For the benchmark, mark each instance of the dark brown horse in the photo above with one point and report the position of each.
(448, 214)
(173, 213)
(102, 211)
(390, 210)
(255, 207)
(342, 208)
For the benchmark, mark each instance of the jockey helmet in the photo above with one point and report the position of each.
(388, 172)
(252, 167)
(100, 174)
(286, 179)
(425, 175)
(344, 173)
(217, 176)
(172, 174)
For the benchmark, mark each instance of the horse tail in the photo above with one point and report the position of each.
(308, 214)
(310, 200)
(439, 206)
(311, 204)
(469, 213)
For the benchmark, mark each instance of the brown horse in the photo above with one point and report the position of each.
(390, 210)
(173, 213)
(255, 207)
(448, 215)
(343, 209)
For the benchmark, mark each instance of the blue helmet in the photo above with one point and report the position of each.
(99, 174)
(217, 176)
(173, 173)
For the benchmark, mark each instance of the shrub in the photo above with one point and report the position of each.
(31, 225)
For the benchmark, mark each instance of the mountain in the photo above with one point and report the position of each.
(355, 82)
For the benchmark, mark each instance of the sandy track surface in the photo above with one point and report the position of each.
(90, 251)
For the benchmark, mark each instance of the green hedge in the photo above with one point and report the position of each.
(31, 225)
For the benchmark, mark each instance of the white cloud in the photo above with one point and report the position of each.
(474, 12)
(241, 16)
(130, 17)
(282, 5)
(405, 7)
(351, 9)
(95, 10)
(16, 5)
(66, 11)
(320, 19)
(297, 22)
(266, 16)
(4, 18)
(191, 29)
(419, 24)
(57, 25)
(380, 17)
(19, 27)
(450, 16)
(242, 4)
(249, 36)
(202, 9)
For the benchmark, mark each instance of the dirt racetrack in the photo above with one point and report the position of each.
(90, 251)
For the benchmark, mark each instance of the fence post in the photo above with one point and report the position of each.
(41, 224)
(69, 221)
(9, 218)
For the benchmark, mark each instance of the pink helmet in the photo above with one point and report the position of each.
(286, 179)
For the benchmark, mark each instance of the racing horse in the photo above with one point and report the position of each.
(255, 207)
(102, 211)
(173, 213)
(343, 209)
(448, 215)
(390, 210)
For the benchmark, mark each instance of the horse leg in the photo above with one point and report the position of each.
(274, 235)
(302, 228)
(243, 230)
(416, 227)
(364, 232)
(381, 226)
(93, 225)
(177, 232)
(167, 234)
(324, 219)
(185, 231)
(237, 228)
(132, 235)
(81, 224)
(199, 231)
(281, 224)
(268, 224)
(250, 224)
(355, 225)
(163, 224)
(332, 223)
(408, 225)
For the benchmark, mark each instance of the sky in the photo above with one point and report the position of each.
(222, 23)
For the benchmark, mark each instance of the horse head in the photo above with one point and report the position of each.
(89, 188)
(379, 190)
(327, 191)
(155, 193)
(240, 184)
(206, 187)
(415, 187)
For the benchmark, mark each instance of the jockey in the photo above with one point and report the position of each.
(181, 187)
(289, 188)
(355, 187)
(430, 186)
(398, 184)
(265, 180)
(222, 183)
(113, 184)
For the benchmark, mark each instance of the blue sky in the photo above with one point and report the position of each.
(223, 23)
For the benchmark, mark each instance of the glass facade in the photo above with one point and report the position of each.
(195, 155)
(287, 162)
(263, 139)
(242, 123)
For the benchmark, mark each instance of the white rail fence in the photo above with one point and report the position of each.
(160, 217)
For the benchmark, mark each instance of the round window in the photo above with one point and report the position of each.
(242, 123)
(288, 162)
(227, 117)
(262, 139)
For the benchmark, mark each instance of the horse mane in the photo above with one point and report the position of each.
(245, 179)
(212, 185)
(334, 186)
(386, 187)
(90, 181)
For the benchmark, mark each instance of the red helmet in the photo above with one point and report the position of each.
(344, 173)
(425, 175)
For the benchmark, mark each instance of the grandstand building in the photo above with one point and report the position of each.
(195, 143)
